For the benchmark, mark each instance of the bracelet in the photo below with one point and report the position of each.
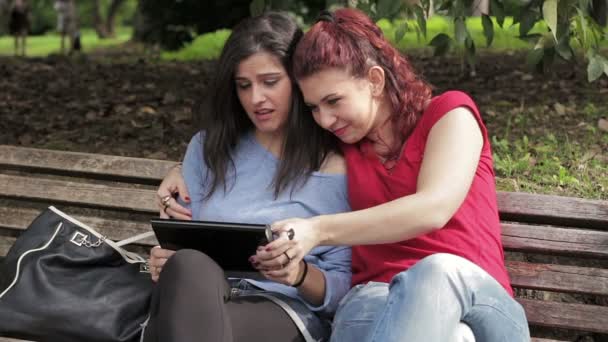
(299, 282)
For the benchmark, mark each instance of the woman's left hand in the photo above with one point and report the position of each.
(278, 258)
(288, 275)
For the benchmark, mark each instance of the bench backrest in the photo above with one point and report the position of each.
(558, 246)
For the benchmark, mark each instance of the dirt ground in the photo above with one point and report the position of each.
(135, 107)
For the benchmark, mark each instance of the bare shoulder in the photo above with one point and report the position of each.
(334, 164)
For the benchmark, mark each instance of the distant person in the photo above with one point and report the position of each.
(19, 24)
(66, 23)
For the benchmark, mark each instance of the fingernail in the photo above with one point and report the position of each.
(187, 199)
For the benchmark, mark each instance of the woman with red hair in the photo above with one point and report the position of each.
(428, 261)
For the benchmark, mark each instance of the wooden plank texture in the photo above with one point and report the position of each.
(79, 194)
(572, 279)
(115, 229)
(93, 165)
(554, 240)
(557, 210)
(5, 244)
(582, 317)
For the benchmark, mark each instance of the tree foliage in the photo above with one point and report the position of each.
(579, 24)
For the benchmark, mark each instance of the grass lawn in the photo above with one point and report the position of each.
(550, 149)
(38, 46)
(209, 45)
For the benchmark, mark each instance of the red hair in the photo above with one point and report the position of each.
(348, 39)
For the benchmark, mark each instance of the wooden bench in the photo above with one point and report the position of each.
(557, 247)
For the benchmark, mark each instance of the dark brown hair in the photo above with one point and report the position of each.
(224, 121)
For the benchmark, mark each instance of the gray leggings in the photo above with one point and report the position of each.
(191, 303)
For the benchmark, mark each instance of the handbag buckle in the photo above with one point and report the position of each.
(78, 239)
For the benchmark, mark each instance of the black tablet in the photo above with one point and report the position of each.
(229, 244)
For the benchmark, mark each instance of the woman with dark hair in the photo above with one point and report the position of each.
(19, 24)
(427, 260)
(256, 159)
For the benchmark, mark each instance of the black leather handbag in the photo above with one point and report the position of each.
(62, 281)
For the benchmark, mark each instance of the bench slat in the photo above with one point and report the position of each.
(549, 209)
(95, 165)
(582, 317)
(6, 242)
(6, 339)
(572, 279)
(554, 240)
(115, 229)
(79, 194)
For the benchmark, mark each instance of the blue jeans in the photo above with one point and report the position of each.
(431, 301)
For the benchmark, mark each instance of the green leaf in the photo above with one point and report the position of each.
(400, 32)
(421, 19)
(550, 15)
(527, 21)
(366, 7)
(470, 51)
(564, 49)
(582, 28)
(497, 9)
(388, 8)
(517, 16)
(441, 43)
(445, 5)
(595, 69)
(535, 56)
(488, 28)
(460, 30)
(584, 4)
(256, 7)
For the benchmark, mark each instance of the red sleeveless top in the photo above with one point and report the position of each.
(474, 230)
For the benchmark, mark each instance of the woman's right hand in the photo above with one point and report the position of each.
(173, 185)
(158, 258)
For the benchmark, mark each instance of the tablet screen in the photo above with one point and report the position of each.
(228, 244)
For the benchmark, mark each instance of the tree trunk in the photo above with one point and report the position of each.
(111, 19)
(4, 9)
(481, 7)
(98, 22)
(139, 23)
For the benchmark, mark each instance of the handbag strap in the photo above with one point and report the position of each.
(130, 257)
(291, 313)
(135, 238)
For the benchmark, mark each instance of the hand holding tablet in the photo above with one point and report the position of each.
(228, 244)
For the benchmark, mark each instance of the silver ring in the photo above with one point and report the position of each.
(290, 234)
